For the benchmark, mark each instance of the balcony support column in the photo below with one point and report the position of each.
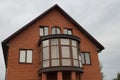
(73, 76)
(59, 76)
(44, 76)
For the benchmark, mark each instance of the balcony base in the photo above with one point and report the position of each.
(66, 68)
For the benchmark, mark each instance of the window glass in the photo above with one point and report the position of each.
(54, 52)
(25, 56)
(45, 53)
(29, 56)
(53, 31)
(65, 31)
(82, 57)
(74, 43)
(75, 62)
(41, 32)
(45, 43)
(55, 62)
(58, 31)
(70, 32)
(79, 57)
(46, 30)
(54, 41)
(75, 53)
(46, 63)
(80, 63)
(87, 58)
(22, 56)
(66, 62)
(65, 42)
(65, 52)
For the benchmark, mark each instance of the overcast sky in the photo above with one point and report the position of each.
(101, 18)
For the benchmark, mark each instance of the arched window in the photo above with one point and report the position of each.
(56, 30)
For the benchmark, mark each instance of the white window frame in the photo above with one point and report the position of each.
(27, 58)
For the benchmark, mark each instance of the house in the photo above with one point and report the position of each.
(52, 47)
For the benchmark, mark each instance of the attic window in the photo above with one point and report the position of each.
(43, 31)
(56, 30)
(68, 31)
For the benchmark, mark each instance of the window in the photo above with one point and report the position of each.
(46, 57)
(56, 30)
(66, 62)
(74, 43)
(54, 52)
(80, 61)
(68, 31)
(43, 31)
(85, 58)
(75, 53)
(54, 41)
(45, 43)
(55, 62)
(45, 53)
(65, 52)
(22, 56)
(60, 52)
(46, 63)
(25, 56)
(75, 62)
(65, 42)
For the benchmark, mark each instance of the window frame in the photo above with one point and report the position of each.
(84, 55)
(60, 58)
(25, 62)
(46, 46)
(66, 55)
(68, 29)
(56, 32)
(44, 31)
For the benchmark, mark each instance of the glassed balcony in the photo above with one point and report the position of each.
(60, 53)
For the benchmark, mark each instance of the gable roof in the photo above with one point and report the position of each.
(5, 43)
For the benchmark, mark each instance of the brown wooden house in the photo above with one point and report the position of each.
(52, 47)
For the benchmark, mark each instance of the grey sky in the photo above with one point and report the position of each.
(101, 18)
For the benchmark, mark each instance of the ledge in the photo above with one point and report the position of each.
(66, 68)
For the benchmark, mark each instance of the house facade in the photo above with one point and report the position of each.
(52, 47)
